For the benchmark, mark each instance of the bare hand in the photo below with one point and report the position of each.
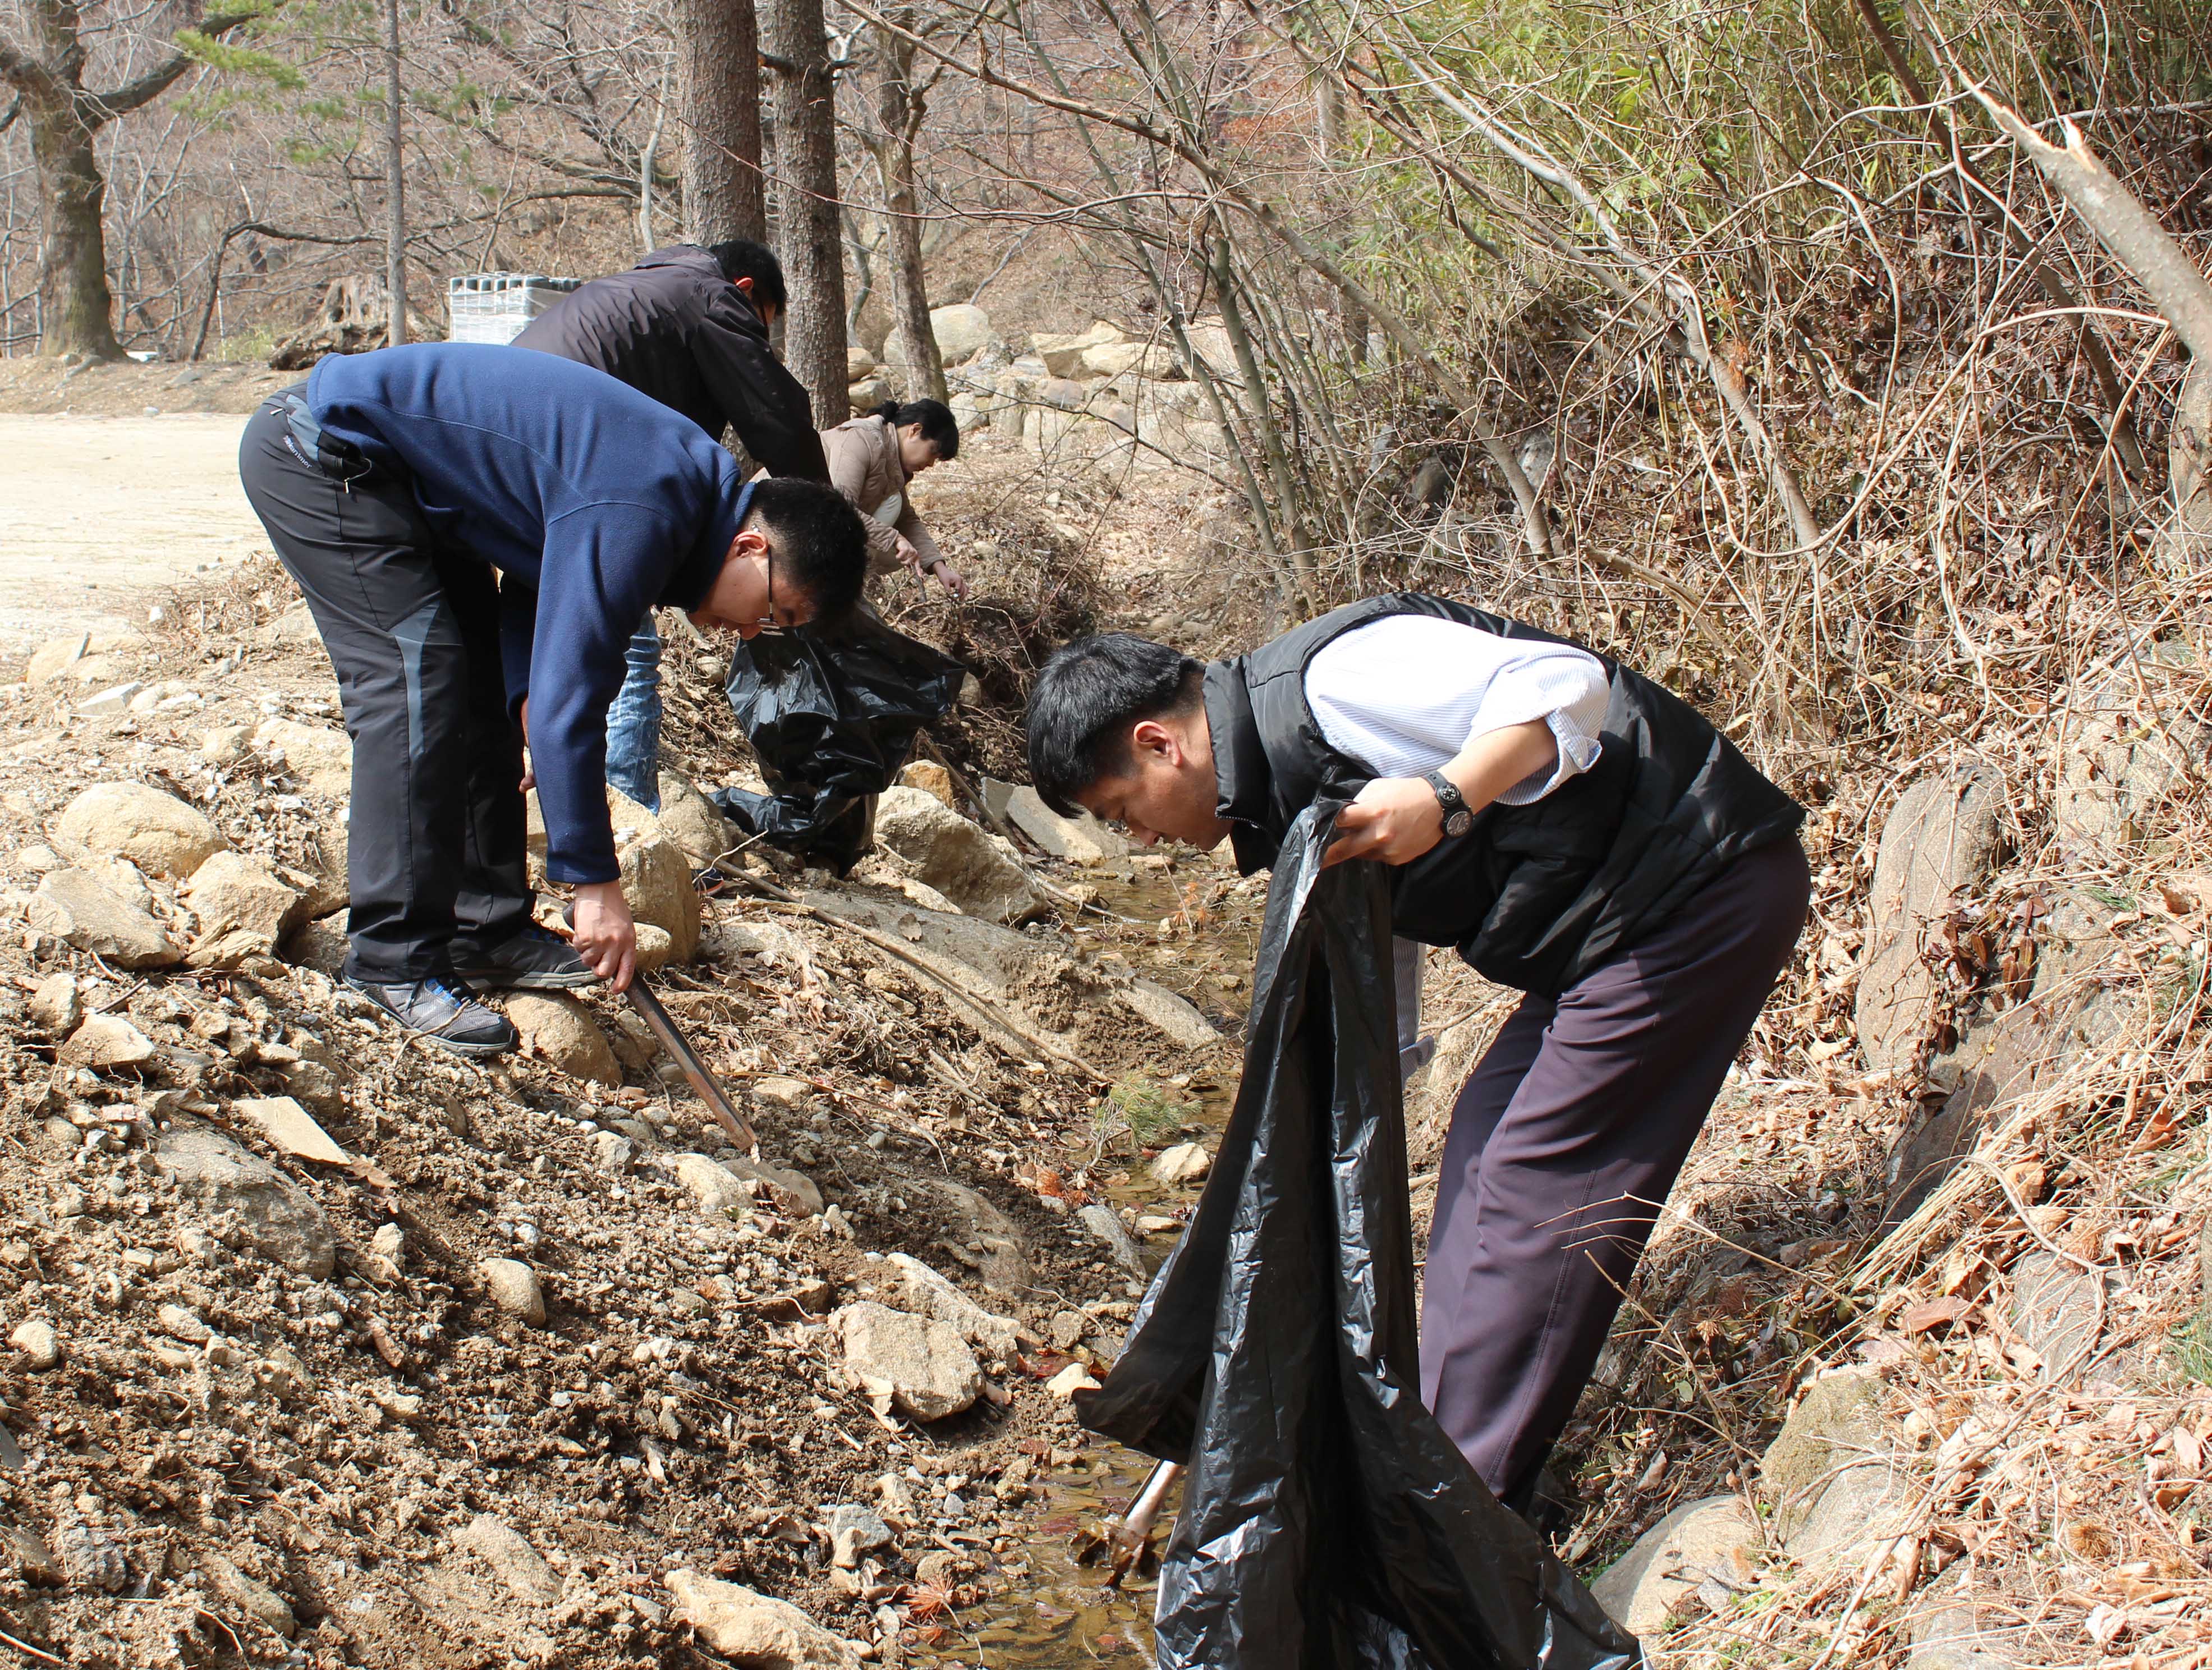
(951, 578)
(1395, 819)
(606, 936)
(529, 774)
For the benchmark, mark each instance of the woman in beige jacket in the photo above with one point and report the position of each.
(872, 459)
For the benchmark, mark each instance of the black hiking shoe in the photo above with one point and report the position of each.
(531, 961)
(442, 1010)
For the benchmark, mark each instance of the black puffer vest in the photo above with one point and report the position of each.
(1533, 897)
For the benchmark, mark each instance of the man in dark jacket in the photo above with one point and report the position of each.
(690, 327)
(393, 485)
(1574, 831)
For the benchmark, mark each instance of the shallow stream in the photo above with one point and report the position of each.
(1189, 928)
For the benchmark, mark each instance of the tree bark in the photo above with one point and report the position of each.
(718, 45)
(45, 69)
(807, 234)
(899, 109)
(395, 182)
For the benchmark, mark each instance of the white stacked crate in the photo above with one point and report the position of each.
(494, 307)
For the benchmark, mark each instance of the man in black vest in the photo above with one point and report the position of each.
(1576, 832)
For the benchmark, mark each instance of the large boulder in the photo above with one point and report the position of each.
(72, 905)
(656, 880)
(1837, 1473)
(1026, 990)
(2126, 740)
(155, 831)
(919, 1366)
(560, 1031)
(690, 819)
(1062, 353)
(754, 1630)
(1668, 1562)
(1146, 360)
(930, 1293)
(243, 910)
(1083, 839)
(247, 1202)
(956, 857)
(962, 331)
(1940, 842)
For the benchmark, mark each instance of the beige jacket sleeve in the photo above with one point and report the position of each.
(863, 465)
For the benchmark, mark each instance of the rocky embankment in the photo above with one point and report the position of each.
(326, 1347)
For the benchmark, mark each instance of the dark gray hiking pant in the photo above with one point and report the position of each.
(1566, 1137)
(435, 835)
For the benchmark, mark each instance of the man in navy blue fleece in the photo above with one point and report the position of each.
(477, 531)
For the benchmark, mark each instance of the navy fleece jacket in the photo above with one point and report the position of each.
(594, 502)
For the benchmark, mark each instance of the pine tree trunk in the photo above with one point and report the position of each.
(807, 230)
(898, 119)
(718, 43)
(75, 301)
(395, 182)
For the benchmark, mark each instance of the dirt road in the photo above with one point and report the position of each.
(100, 517)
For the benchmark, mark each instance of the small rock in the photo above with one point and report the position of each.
(656, 949)
(561, 1031)
(717, 1191)
(37, 1341)
(106, 1042)
(37, 859)
(224, 745)
(291, 1128)
(74, 905)
(155, 831)
(24, 1553)
(1075, 1378)
(508, 1552)
(1835, 1471)
(182, 1324)
(1101, 1222)
(248, 1202)
(513, 1288)
(320, 945)
(92, 1558)
(1185, 1162)
(56, 1006)
(752, 1629)
(854, 1531)
(778, 1091)
(115, 699)
(931, 1294)
(389, 1247)
(614, 1152)
(921, 1367)
(243, 911)
(793, 1192)
(932, 780)
(255, 1599)
(1069, 1329)
(320, 757)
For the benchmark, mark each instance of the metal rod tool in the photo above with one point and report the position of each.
(1129, 1533)
(680, 1052)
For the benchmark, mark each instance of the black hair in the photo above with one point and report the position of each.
(1084, 702)
(936, 418)
(741, 257)
(820, 547)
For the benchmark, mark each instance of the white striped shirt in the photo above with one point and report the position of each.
(1405, 694)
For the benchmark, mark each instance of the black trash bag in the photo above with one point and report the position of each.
(831, 716)
(1327, 1521)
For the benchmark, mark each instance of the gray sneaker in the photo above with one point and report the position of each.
(531, 961)
(442, 1011)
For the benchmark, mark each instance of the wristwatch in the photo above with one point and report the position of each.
(1458, 819)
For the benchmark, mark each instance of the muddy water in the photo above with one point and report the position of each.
(1193, 931)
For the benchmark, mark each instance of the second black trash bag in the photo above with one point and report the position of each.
(1327, 1523)
(831, 716)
